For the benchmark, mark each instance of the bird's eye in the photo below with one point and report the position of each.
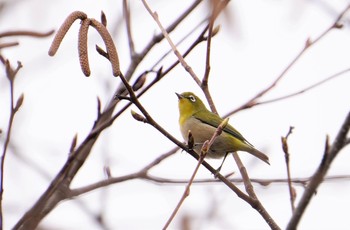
(192, 98)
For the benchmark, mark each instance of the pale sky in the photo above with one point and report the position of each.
(257, 40)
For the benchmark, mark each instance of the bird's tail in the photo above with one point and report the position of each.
(258, 154)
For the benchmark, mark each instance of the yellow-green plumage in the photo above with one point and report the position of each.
(202, 123)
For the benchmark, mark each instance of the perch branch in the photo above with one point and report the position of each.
(204, 150)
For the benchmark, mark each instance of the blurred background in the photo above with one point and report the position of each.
(256, 42)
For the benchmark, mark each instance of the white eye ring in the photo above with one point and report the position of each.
(192, 98)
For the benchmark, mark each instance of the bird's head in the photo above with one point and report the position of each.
(189, 104)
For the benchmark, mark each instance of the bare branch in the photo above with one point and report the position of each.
(253, 201)
(328, 157)
(11, 75)
(126, 12)
(338, 74)
(205, 148)
(186, 192)
(286, 156)
(142, 173)
(26, 33)
(173, 47)
(8, 44)
(217, 7)
(308, 44)
(300, 181)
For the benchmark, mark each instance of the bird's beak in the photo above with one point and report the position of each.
(179, 96)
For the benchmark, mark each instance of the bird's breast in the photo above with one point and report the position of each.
(202, 132)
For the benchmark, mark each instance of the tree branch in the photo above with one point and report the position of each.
(204, 150)
(59, 190)
(173, 47)
(329, 155)
(308, 44)
(287, 160)
(11, 75)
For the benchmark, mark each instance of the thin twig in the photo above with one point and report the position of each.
(173, 47)
(308, 44)
(338, 74)
(204, 150)
(254, 201)
(26, 33)
(246, 180)
(11, 75)
(191, 32)
(126, 12)
(329, 155)
(142, 173)
(217, 7)
(8, 44)
(289, 177)
(186, 192)
(300, 181)
(136, 59)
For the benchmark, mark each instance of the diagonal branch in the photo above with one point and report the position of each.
(173, 47)
(308, 44)
(205, 148)
(329, 155)
(338, 74)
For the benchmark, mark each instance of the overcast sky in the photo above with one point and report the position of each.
(256, 42)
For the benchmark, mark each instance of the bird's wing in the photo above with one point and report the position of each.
(214, 120)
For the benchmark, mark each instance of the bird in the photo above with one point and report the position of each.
(202, 123)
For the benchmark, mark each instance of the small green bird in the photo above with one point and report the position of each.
(202, 123)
